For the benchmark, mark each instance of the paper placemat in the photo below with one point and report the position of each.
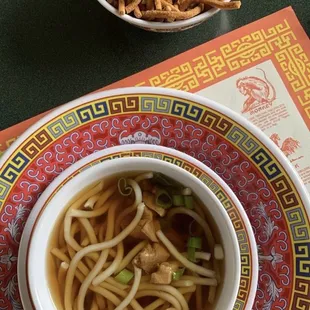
(261, 71)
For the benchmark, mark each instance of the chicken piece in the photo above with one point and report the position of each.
(164, 273)
(146, 228)
(148, 214)
(150, 228)
(150, 257)
(149, 200)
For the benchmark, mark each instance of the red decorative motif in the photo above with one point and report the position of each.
(258, 91)
(288, 146)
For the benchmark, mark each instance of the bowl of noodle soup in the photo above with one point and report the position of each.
(134, 233)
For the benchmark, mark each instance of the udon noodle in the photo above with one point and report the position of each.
(140, 242)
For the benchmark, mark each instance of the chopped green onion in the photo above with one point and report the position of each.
(191, 254)
(178, 200)
(178, 274)
(161, 179)
(163, 198)
(123, 189)
(194, 242)
(189, 202)
(186, 191)
(124, 276)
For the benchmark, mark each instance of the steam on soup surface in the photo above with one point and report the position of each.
(139, 242)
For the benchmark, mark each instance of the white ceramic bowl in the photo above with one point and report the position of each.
(159, 26)
(37, 263)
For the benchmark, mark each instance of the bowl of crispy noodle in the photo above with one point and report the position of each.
(167, 15)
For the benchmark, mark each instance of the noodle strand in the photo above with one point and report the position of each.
(200, 281)
(155, 304)
(90, 214)
(182, 283)
(144, 176)
(184, 261)
(133, 290)
(89, 230)
(111, 269)
(98, 247)
(162, 295)
(63, 268)
(102, 259)
(68, 219)
(105, 196)
(168, 289)
(128, 258)
(198, 219)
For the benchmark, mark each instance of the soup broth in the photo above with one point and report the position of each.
(142, 241)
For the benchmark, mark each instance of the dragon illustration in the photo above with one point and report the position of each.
(257, 91)
(289, 145)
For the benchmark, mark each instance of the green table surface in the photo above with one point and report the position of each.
(54, 51)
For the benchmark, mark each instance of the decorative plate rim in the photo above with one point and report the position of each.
(291, 193)
(175, 93)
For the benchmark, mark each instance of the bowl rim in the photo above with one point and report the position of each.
(160, 25)
(42, 219)
(97, 156)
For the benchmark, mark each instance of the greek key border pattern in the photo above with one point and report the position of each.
(278, 42)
